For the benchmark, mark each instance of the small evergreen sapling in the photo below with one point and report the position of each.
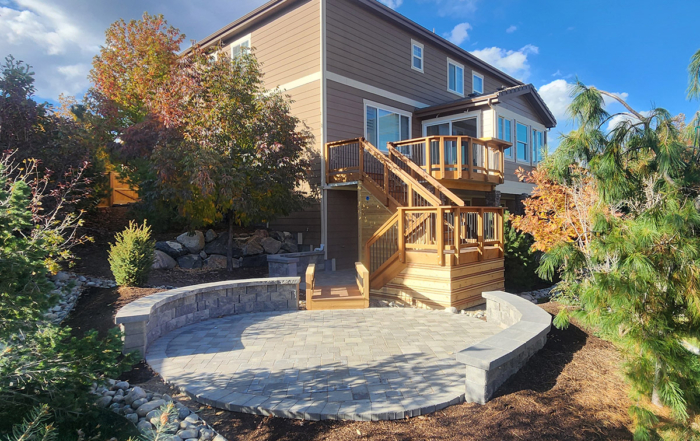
(131, 256)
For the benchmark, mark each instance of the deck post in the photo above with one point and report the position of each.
(440, 231)
(457, 235)
(428, 160)
(480, 233)
(361, 161)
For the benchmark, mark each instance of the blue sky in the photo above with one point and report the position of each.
(638, 49)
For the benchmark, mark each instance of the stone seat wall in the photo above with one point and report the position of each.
(145, 320)
(491, 362)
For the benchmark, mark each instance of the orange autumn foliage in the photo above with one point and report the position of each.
(558, 213)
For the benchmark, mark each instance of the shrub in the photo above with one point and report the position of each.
(131, 256)
(521, 261)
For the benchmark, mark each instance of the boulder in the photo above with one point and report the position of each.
(261, 233)
(209, 236)
(193, 242)
(147, 407)
(270, 245)
(290, 246)
(190, 261)
(254, 261)
(277, 235)
(220, 246)
(217, 261)
(163, 261)
(171, 248)
(253, 247)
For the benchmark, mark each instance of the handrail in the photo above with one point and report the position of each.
(413, 166)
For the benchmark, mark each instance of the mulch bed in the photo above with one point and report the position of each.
(570, 390)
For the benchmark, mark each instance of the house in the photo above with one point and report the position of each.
(417, 142)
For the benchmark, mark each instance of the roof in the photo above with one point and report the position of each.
(273, 6)
(527, 90)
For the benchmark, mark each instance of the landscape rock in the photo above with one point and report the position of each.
(206, 434)
(270, 245)
(261, 233)
(190, 261)
(188, 433)
(138, 403)
(104, 401)
(209, 236)
(60, 276)
(253, 247)
(163, 261)
(135, 394)
(290, 246)
(278, 235)
(202, 255)
(121, 385)
(451, 310)
(194, 243)
(171, 248)
(147, 407)
(217, 261)
(132, 417)
(144, 426)
(220, 246)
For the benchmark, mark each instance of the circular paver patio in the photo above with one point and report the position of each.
(368, 364)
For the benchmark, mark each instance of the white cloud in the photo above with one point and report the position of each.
(60, 38)
(459, 33)
(514, 63)
(557, 96)
(393, 4)
(511, 29)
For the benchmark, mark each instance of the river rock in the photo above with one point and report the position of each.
(147, 407)
(270, 245)
(132, 417)
(188, 433)
(121, 385)
(206, 434)
(194, 243)
(209, 235)
(104, 401)
(144, 426)
(171, 248)
(134, 395)
(163, 261)
(138, 403)
(190, 261)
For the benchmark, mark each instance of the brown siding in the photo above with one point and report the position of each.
(370, 49)
(307, 222)
(345, 110)
(342, 227)
(521, 106)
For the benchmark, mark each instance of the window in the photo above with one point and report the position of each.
(416, 56)
(522, 150)
(237, 47)
(384, 126)
(455, 77)
(537, 146)
(477, 83)
(505, 132)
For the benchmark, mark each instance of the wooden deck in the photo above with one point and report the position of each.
(337, 289)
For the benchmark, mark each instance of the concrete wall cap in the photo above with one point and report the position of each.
(140, 309)
(282, 258)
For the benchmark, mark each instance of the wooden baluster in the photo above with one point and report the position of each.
(386, 179)
(410, 195)
(428, 160)
(441, 153)
(480, 232)
(459, 157)
(470, 156)
(485, 153)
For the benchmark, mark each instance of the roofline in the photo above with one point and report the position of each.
(376, 7)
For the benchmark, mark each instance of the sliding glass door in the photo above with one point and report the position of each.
(384, 126)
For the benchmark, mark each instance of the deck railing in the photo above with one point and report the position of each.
(456, 157)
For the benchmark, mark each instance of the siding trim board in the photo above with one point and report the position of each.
(374, 90)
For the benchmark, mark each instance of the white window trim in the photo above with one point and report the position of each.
(422, 56)
(461, 66)
(449, 119)
(517, 118)
(476, 74)
(510, 157)
(378, 106)
(239, 42)
(528, 129)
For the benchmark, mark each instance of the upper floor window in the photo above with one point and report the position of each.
(477, 83)
(455, 77)
(238, 46)
(522, 150)
(537, 146)
(505, 132)
(386, 125)
(416, 56)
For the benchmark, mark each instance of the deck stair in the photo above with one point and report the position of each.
(429, 224)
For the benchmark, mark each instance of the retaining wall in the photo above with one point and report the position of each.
(145, 320)
(490, 362)
(294, 264)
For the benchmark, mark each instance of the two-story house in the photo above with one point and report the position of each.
(433, 136)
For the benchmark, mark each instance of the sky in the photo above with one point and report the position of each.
(637, 49)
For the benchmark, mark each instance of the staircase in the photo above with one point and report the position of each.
(430, 228)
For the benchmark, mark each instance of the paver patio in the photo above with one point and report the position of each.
(367, 364)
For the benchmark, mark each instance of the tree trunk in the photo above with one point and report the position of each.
(229, 249)
(655, 398)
